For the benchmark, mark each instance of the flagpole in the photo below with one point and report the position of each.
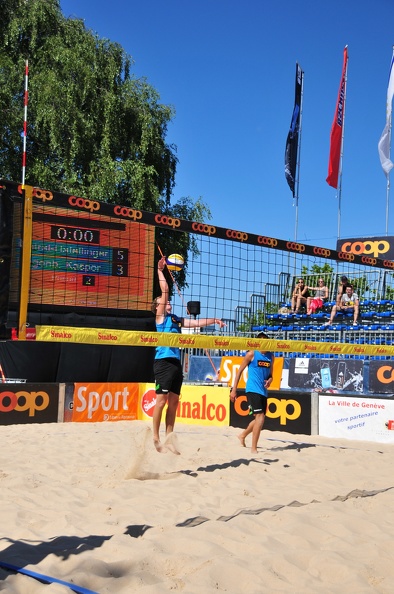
(341, 157)
(387, 198)
(297, 181)
(25, 101)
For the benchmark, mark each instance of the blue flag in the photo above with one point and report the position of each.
(292, 137)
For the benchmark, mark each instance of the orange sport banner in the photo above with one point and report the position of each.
(97, 402)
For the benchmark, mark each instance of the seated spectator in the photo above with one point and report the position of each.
(349, 304)
(300, 296)
(316, 302)
(342, 289)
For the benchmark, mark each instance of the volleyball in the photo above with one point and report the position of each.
(175, 262)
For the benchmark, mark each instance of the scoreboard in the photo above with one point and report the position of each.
(84, 259)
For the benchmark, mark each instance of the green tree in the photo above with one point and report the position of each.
(94, 130)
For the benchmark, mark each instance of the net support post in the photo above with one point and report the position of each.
(27, 235)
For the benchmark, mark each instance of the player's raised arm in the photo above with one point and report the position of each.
(162, 300)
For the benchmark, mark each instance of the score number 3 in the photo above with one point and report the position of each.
(120, 260)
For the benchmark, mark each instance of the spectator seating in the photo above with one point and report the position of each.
(375, 325)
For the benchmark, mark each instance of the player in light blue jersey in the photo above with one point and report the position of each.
(260, 367)
(167, 365)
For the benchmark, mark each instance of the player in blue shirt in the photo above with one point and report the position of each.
(260, 366)
(167, 365)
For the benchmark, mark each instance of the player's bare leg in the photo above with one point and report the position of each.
(245, 433)
(161, 400)
(173, 401)
(256, 430)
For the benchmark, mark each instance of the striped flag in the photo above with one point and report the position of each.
(292, 137)
(337, 129)
(384, 142)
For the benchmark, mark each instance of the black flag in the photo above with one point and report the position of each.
(292, 137)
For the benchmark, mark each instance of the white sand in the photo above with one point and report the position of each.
(95, 505)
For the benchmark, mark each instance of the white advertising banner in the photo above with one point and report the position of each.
(367, 419)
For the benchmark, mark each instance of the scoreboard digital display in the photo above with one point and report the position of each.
(84, 259)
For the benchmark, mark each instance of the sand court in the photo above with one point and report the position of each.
(96, 507)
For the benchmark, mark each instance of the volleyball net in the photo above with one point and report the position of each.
(93, 263)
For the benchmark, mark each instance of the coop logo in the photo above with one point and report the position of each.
(130, 213)
(366, 247)
(201, 228)
(43, 195)
(318, 251)
(91, 205)
(268, 241)
(23, 401)
(148, 402)
(385, 374)
(367, 260)
(284, 410)
(295, 247)
(239, 235)
(345, 256)
(168, 221)
(388, 263)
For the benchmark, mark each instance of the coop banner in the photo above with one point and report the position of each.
(198, 405)
(286, 412)
(381, 377)
(97, 402)
(28, 403)
(368, 419)
(327, 375)
(368, 247)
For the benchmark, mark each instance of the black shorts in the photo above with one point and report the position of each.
(168, 376)
(257, 403)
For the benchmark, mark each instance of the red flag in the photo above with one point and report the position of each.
(337, 129)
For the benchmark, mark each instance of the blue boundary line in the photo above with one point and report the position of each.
(44, 578)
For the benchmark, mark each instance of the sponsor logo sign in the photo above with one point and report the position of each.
(198, 405)
(203, 228)
(364, 418)
(167, 221)
(291, 414)
(368, 247)
(96, 402)
(84, 203)
(28, 403)
(43, 195)
(130, 213)
(381, 377)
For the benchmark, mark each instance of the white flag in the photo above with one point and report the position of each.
(384, 142)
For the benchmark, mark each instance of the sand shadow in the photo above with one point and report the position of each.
(19, 554)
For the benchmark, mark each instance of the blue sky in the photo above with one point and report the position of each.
(228, 69)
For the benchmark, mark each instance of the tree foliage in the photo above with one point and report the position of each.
(94, 129)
